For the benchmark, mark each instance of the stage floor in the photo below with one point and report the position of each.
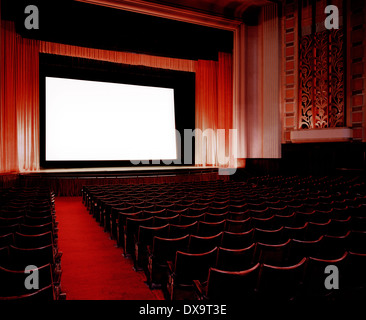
(121, 171)
(124, 169)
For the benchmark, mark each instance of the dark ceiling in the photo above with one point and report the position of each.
(230, 9)
(77, 23)
(82, 24)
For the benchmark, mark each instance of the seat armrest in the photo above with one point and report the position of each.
(198, 288)
(170, 266)
(149, 250)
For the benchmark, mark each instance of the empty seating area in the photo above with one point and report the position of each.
(266, 237)
(28, 239)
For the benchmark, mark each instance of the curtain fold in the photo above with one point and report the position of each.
(118, 57)
(214, 112)
(27, 104)
(8, 119)
(19, 106)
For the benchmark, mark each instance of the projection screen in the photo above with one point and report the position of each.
(101, 121)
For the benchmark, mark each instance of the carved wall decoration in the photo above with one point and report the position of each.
(336, 115)
(306, 82)
(321, 80)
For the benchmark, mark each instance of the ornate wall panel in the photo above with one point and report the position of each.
(306, 82)
(321, 80)
(336, 110)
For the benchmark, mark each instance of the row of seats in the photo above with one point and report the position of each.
(29, 239)
(110, 203)
(138, 235)
(237, 253)
(302, 281)
(298, 217)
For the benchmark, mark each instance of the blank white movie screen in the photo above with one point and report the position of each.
(90, 120)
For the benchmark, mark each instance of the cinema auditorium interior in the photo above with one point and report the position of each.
(182, 150)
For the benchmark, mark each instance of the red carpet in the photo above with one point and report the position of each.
(93, 268)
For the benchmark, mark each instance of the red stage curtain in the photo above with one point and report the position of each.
(118, 57)
(8, 121)
(214, 111)
(19, 105)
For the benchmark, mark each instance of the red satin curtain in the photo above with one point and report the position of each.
(19, 104)
(214, 112)
(8, 121)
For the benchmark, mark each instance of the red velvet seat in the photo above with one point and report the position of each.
(229, 286)
(162, 221)
(12, 282)
(238, 226)
(186, 268)
(304, 248)
(198, 244)
(235, 259)
(215, 217)
(206, 229)
(130, 232)
(188, 219)
(144, 239)
(6, 240)
(233, 240)
(280, 284)
(162, 251)
(273, 254)
(354, 277)
(178, 230)
(315, 276)
(270, 236)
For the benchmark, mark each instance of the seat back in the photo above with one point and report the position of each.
(33, 241)
(162, 221)
(12, 282)
(177, 231)
(273, 254)
(303, 248)
(36, 221)
(296, 232)
(190, 266)
(238, 226)
(315, 229)
(354, 278)
(206, 229)
(37, 229)
(314, 276)
(41, 295)
(356, 241)
(19, 258)
(188, 219)
(215, 217)
(164, 249)
(232, 286)
(270, 236)
(6, 222)
(285, 220)
(198, 244)
(332, 247)
(4, 256)
(231, 240)
(264, 223)
(4, 230)
(235, 259)
(280, 283)
(6, 240)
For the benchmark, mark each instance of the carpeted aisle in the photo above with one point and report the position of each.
(93, 267)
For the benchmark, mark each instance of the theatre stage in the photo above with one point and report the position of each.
(69, 181)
